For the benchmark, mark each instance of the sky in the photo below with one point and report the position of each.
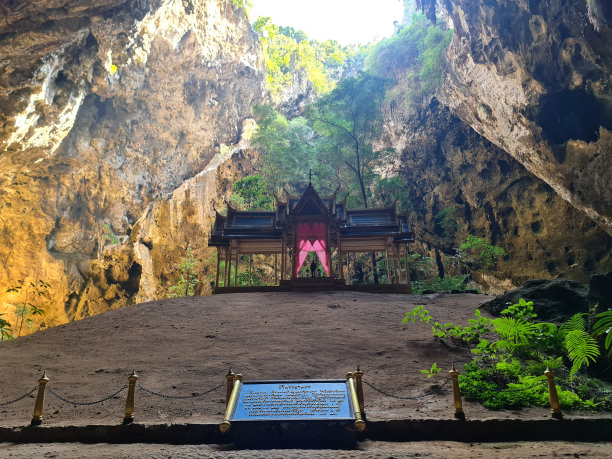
(346, 21)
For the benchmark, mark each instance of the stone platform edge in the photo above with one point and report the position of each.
(488, 430)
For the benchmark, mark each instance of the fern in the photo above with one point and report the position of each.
(581, 347)
(513, 332)
(604, 326)
(576, 322)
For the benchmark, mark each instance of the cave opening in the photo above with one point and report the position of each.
(573, 114)
(132, 285)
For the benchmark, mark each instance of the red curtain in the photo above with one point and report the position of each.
(311, 238)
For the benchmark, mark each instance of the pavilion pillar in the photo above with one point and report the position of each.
(228, 266)
(218, 266)
(283, 256)
(340, 265)
(250, 269)
(408, 282)
(275, 269)
(236, 268)
(388, 264)
(398, 265)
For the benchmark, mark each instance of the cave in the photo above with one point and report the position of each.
(132, 285)
(572, 114)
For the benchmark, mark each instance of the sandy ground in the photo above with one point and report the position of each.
(184, 346)
(374, 450)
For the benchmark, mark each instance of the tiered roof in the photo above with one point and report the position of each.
(350, 223)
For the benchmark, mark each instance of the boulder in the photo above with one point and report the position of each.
(555, 300)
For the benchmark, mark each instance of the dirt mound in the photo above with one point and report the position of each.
(184, 346)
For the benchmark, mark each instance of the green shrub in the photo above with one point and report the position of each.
(512, 353)
(188, 277)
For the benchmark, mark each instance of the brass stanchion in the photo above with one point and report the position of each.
(553, 397)
(359, 423)
(129, 403)
(230, 385)
(359, 388)
(40, 401)
(454, 374)
(225, 426)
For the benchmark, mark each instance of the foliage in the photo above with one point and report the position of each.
(446, 221)
(392, 190)
(290, 151)
(288, 52)
(479, 253)
(238, 4)
(110, 235)
(420, 264)
(580, 345)
(443, 284)
(188, 277)
(250, 192)
(512, 353)
(34, 294)
(416, 50)
(349, 121)
(432, 372)
(5, 329)
(603, 326)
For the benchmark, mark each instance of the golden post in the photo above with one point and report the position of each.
(129, 403)
(359, 423)
(454, 374)
(359, 387)
(225, 426)
(230, 385)
(553, 397)
(40, 401)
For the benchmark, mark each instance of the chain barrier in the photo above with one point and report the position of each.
(387, 394)
(71, 402)
(181, 397)
(19, 398)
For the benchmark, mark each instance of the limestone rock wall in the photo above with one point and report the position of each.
(115, 114)
(446, 163)
(535, 79)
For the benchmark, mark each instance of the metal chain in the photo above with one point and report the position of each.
(18, 399)
(406, 397)
(140, 387)
(71, 402)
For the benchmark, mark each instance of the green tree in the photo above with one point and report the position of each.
(291, 149)
(5, 329)
(447, 222)
(350, 121)
(34, 295)
(188, 277)
(479, 253)
(251, 193)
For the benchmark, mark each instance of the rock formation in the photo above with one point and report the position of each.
(116, 113)
(535, 79)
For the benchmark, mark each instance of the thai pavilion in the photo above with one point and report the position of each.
(310, 223)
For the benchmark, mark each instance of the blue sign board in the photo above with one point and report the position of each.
(328, 399)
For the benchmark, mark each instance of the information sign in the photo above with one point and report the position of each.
(294, 400)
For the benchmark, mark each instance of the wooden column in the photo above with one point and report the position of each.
(283, 256)
(218, 266)
(388, 265)
(236, 268)
(228, 266)
(250, 269)
(340, 266)
(275, 269)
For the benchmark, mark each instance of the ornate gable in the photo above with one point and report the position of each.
(311, 205)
